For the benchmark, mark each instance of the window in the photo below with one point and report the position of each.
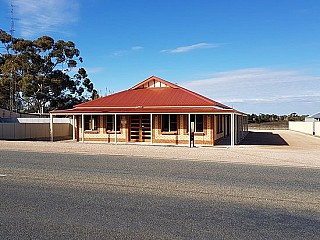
(169, 123)
(91, 123)
(198, 122)
(110, 123)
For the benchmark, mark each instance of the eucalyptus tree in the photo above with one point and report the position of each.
(39, 73)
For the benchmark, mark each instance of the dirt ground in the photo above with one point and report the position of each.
(293, 140)
(260, 147)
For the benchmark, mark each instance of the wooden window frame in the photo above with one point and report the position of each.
(91, 124)
(172, 127)
(195, 116)
(112, 123)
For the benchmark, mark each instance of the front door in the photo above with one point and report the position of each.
(140, 129)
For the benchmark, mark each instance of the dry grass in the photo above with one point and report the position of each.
(283, 125)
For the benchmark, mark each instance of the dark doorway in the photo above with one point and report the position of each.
(140, 128)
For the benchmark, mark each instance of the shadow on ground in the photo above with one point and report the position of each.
(263, 138)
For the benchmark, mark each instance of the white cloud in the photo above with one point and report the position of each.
(137, 48)
(191, 47)
(261, 87)
(92, 70)
(38, 17)
(121, 53)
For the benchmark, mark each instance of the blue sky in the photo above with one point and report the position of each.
(258, 56)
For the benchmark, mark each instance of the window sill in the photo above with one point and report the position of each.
(196, 133)
(199, 134)
(91, 131)
(113, 132)
(170, 133)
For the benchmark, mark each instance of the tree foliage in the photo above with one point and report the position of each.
(36, 74)
(263, 118)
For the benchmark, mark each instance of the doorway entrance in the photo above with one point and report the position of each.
(140, 129)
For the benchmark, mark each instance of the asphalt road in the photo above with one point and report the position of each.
(69, 196)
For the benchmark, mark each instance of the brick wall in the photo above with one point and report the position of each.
(181, 136)
(101, 134)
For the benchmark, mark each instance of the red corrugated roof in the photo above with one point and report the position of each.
(144, 99)
(161, 96)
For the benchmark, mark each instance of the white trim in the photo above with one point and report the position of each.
(82, 126)
(232, 133)
(73, 128)
(115, 128)
(142, 107)
(146, 113)
(151, 127)
(51, 128)
(189, 127)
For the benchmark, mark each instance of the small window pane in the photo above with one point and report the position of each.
(199, 123)
(110, 122)
(90, 122)
(87, 122)
(192, 117)
(118, 123)
(165, 123)
(173, 122)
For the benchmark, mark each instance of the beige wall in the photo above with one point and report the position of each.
(208, 137)
(304, 127)
(37, 131)
(182, 135)
(101, 134)
(317, 128)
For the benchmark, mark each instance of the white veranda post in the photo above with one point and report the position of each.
(82, 127)
(232, 138)
(151, 128)
(51, 127)
(189, 128)
(73, 128)
(115, 128)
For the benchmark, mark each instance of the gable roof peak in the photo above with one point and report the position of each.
(154, 82)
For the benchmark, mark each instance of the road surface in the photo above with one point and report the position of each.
(79, 196)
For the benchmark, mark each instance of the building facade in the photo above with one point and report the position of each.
(156, 111)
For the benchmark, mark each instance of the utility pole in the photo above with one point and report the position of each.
(13, 104)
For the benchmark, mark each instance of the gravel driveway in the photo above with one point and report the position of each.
(274, 147)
